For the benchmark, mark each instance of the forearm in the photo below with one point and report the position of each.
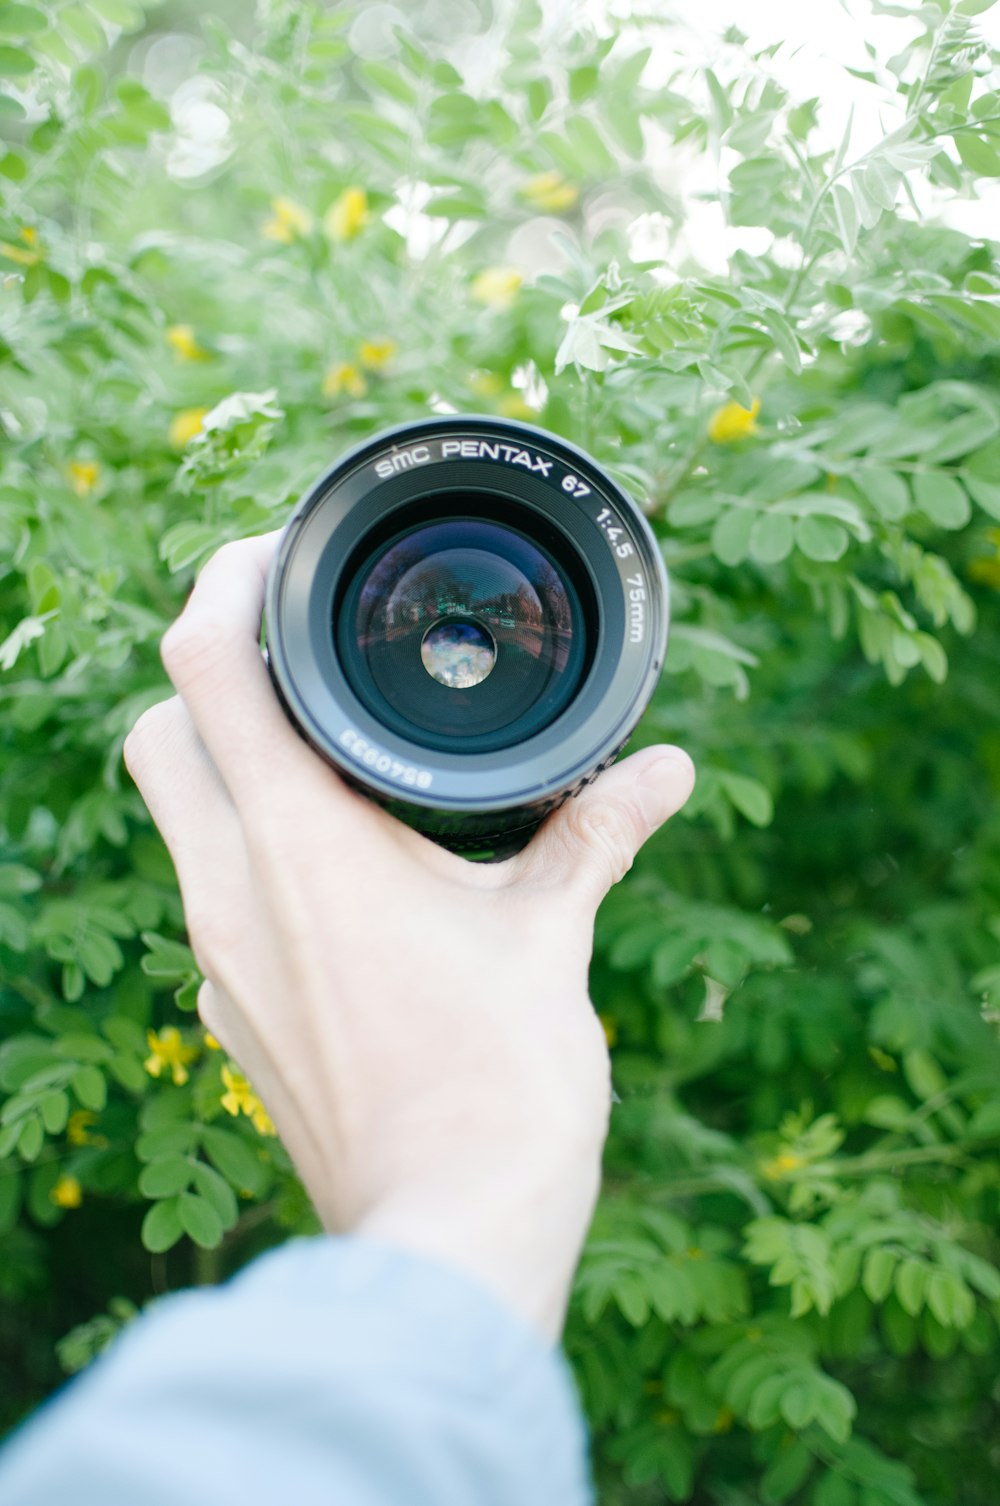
(332, 1370)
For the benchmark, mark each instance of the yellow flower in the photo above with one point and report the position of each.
(211, 1042)
(185, 425)
(984, 569)
(181, 339)
(168, 1050)
(83, 475)
(348, 215)
(240, 1096)
(550, 191)
(732, 422)
(28, 258)
(512, 405)
(485, 383)
(781, 1165)
(376, 354)
(344, 377)
(67, 1193)
(610, 1028)
(78, 1128)
(289, 221)
(496, 286)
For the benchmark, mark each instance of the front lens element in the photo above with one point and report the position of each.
(458, 653)
(464, 634)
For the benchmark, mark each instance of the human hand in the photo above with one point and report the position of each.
(418, 1026)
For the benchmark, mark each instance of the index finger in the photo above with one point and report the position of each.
(213, 657)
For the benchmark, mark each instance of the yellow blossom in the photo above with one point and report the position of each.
(986, 569)
(610, 1028)
(376, 354)
(344, 377)
(723, 1420)
(496, 286)
(78, 1128)
(239, 1096)
(513, 405)
(185, 425)
(485, 383)
(181, 339)
(211, 1042)
(67, 1193)
(26, 258)
(732, 422)
(550, 191)
(781, 1165)
(83, 476)
(288, 221)
(167, 1049)
(348, 215)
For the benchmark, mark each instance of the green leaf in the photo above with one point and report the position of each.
(161, 1227)
(983, 491)
(821, 538)
(217, 1191)
(15, 63)
(388, 81)
(941, 498)
(54, 1109)
(876, 1279)
(20, 20)
(29, 1140)
(90, 1087)
(784, 339)
(166, 1177)
(751, 798)
(731, 535)
(886, 490)
(772, 538)
(239, 1162)
(199, 1220)
(911, 1284)
(167, 1140)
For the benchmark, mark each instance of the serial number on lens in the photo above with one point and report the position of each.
(384, 763)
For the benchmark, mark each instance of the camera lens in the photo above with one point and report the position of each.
(466, 617)
(444, 608)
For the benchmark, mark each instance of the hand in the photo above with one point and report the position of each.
(418, 1026)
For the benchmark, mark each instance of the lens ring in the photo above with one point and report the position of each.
(453, 795)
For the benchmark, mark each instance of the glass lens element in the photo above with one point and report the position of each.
(458, 652)
(465, 633)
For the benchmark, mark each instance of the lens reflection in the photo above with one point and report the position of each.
(458, 653)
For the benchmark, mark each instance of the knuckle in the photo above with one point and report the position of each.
(213, 938)
(190, 646)
(147, 734)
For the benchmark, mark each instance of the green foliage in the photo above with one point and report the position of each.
(791, 1291)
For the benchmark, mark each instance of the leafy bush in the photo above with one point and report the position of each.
(229, 248)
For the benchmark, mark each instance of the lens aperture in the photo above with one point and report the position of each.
(463, 633)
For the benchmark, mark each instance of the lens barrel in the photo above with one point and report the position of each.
(466, 617)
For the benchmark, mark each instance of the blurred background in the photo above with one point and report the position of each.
(750, 263)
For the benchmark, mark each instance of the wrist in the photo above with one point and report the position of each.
(514, 1221)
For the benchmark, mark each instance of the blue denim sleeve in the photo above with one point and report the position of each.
(335, 1370)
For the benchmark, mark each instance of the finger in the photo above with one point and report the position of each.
(212, 655)
(590, 843)
(188, 802)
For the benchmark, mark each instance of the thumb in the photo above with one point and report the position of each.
(591, 842)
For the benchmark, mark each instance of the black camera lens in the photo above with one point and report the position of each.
(466, 617)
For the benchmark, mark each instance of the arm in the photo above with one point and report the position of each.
(420, 1031)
